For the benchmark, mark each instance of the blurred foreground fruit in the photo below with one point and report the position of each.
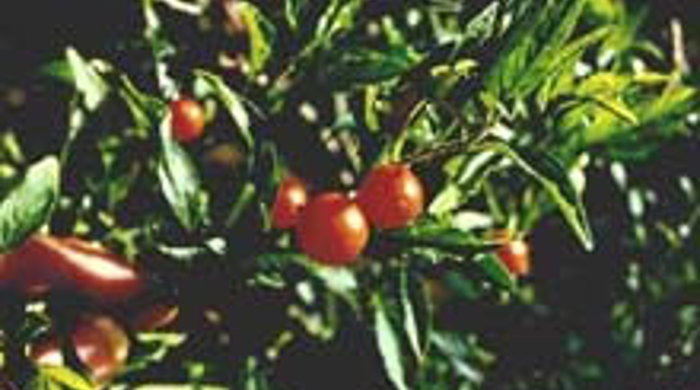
(43, 263)
(100, 344)
(332, 229)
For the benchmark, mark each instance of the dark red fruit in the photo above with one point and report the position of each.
(289, 202)
(100, 343)
(187, 120)
(391, 196)
(515, 255)
(45, 262)
(332, 229)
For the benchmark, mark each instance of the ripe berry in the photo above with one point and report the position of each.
(332, 229)
(515, 255)
(391, 196)
(289, 202)
(187, 119)
(100, 344)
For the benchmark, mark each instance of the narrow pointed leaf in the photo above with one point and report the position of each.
(555, 180)
(87, 81)
(180, 182)
(233, 103)
(389, 346)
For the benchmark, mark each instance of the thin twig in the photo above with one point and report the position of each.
(679, 57)
(196, 8)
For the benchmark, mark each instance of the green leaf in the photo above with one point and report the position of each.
(447, 200)
(338, 17)
(58, 377)
(244, 199)
(339, 280)
(558, 62)
(154, 33)
(59, 70)
(466, 173)
(532, 48)
(438, 236)
(146, 110)
(415, 313)
(180, 182)
(232, 101)
(292, 11)
(365, 66)
(483, 25)
(261, 35)
(29, 204)
(617, 107)
(161, 48)
(153, 348)
(554, 179)
(389, 346)
(87, 81)
(496, 270)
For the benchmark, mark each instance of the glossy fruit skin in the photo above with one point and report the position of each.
(332, 229)
(43, 263)
(289, 202)
(391, 196)
(187, 120)
(515, 255)
(100, 343)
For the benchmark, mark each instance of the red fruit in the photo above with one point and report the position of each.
(391, 196)
(100, 343)
(290, 200)
(187, 119)
(515, 255)
(332, 229)
(45, 262)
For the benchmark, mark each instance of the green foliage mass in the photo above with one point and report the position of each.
(572, 124)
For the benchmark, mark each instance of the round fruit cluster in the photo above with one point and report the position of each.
(333, 228)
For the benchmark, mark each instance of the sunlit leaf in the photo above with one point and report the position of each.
(87, 81)
(261, 35)
(446, 200)
(618, 108)
(29, 204)
(180, 182)
(389, 345)
(233, 103)
(533, 47)
(292, 11)
(339, 16)
(58, 377)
